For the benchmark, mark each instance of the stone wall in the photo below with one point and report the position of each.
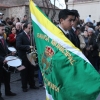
(20, 8)
(13, 2)
(17, 12)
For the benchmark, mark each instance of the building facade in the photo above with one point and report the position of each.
(86, 8)
(19, 8)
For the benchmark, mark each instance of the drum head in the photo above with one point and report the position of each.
(12, 49)
(13, 61)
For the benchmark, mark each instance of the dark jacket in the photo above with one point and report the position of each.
(3, 51)
(74, 38)
(22, 45)
(93, 52)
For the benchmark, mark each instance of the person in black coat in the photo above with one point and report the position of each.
(66, 18)
(23, 46)
(73, 37)
(3, 53)
(92, 49)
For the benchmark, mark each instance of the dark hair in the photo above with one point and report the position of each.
(7, 19)
(89, 15)
(25, 15)
(76, 13)
(13, 27)
(12, 19)
(78, 28)
(98, 23)
(82, 29)
(90, 24)
(2, 25)
(65, 13)
(18, 19)
(25, 26)
(10, 23)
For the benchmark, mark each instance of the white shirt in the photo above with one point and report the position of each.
(65, 32)
(1, 37)
(74, 29)
(88, 19)
(25, 33)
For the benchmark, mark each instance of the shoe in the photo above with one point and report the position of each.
(1, 98)
(25, 90)
(34, 87)
(10, 94)
(40, 85)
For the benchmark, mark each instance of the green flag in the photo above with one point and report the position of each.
(67, 73)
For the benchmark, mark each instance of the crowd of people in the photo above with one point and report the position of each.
(15, 33)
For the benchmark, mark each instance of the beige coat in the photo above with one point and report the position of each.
(82, 41)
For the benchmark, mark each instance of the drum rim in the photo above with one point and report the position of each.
(17, 59)
(13, 48)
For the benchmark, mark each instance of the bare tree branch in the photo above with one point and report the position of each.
(54, 12)
(44, 6)
(48, 11)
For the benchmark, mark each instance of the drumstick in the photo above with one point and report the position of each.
(12, 59)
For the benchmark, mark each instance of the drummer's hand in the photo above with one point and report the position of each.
(31, 47)
(5, 61)
(7, 38)
(13, 53)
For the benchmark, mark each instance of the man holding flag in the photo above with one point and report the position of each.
(67, 73)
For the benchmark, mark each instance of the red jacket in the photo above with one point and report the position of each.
(12, 40)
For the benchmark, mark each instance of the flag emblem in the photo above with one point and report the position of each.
(46, 60)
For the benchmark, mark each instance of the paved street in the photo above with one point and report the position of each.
(16, 88)
(30, 95)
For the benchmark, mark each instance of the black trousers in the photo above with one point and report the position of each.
(6, 78)
(27, 75)
(0, 78)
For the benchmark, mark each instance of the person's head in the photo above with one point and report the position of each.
(66, 18)
(2, 29)
(18, 26)
(27, 27)
(94, 21)
(77, 18)
(85, 34)
(13, 30)
(89, 15)
(98, 25)
(82, 29)
(12, 19)
(25, 17)
(90, 31)
(1, 15)
(10, 24)
(17, 20)
(7, 19)
(96, 28)
(86, 26)
(78, 30)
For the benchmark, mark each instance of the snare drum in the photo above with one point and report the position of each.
(12, 64)
(12, 49)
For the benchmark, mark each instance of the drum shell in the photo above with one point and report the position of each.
(9, 68)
